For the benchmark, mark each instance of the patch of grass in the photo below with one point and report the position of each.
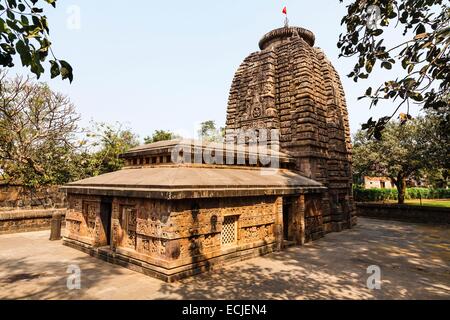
(440, 203)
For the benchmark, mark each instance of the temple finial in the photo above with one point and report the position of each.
(286, 20)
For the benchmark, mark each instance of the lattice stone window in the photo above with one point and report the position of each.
(229, 230)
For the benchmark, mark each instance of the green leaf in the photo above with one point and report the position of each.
(24, 20)
(420, 29)
(405, 63)
(377, 32)
(12, 3)
(386, 65)
(44, 24)
(369, 66)
(416, 96)
(3, 27)
(52, 2)
(54, 70)
(36, 66)
(378, 133)
(24, 52)
(66, 70)
(10, 15)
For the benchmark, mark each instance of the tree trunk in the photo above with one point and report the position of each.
(401, 188)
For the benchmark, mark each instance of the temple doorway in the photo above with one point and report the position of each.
(287, 219)
(105, 216)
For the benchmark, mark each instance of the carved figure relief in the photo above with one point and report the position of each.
(257, 112)
(128, 225)
(90, 209)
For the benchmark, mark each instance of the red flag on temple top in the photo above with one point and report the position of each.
(285, 10)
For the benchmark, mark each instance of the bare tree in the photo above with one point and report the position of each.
(37, 131)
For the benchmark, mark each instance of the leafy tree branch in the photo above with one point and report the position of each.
(24, 31)
(424, 55)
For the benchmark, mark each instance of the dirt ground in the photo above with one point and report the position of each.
(414, 261)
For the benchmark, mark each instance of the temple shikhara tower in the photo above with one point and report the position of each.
(291, 86)
(171, 212)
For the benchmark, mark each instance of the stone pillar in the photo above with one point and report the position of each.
(55, 232)
(278, 228)
(300, 220)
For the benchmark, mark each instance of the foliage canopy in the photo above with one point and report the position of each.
(424, 54)
(24, 31)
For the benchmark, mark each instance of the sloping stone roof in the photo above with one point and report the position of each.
(169, 145)
(177, 182)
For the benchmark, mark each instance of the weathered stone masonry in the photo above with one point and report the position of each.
(173, 219)
(291, 86)
(15, 221)
(175, 238)
(173, 233)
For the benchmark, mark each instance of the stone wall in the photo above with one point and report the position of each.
(26, 220)
(180, 231)
(180, 237)
(417, 214)
(19, 197)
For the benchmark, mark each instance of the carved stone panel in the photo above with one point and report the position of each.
(128, 223)
(91, 209)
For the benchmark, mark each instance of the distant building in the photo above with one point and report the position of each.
(378, 182)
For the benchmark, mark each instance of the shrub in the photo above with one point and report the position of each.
(366, 195)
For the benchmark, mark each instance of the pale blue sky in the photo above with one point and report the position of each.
(169, 64)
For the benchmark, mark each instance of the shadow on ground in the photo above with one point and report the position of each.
(25, 279)
(414, 262)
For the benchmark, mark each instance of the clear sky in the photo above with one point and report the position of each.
(169, 64)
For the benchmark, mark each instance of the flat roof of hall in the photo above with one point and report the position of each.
(179, 182)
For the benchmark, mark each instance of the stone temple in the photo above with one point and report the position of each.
(171, 212)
